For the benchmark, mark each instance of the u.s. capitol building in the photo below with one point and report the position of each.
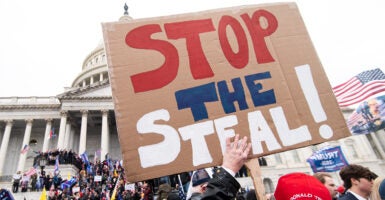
(83, 119)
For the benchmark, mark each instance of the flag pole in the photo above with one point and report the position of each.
(256, 174)
(180, 183)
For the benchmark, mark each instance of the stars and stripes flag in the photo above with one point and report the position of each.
(360, 87)
(52, 133)
(31, 171)
(181, 193)
(25, 149)
(57, 165)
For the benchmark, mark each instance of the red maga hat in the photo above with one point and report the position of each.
(300, 186)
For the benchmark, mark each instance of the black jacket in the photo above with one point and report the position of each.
(348, 196)
(222, 186)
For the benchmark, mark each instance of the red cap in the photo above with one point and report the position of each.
(300, 186)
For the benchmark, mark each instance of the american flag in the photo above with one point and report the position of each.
(25, 149)
(181, 194)
(360, 87)
(31, 171)
(52, 133)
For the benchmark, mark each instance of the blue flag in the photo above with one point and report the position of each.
(84, 157)
(68, 183)
(328, 159)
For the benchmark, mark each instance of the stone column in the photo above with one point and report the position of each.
(27, 137)
(67, 135)
(48, 128)
(92, 80)
(84, 83)
(378, 145)
(83, 132)
(105, 136)
(63, 122)
(101, 77)
(4, 144)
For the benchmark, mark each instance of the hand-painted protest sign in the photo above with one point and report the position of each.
(327, 160)
(182, 84)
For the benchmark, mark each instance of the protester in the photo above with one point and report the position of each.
(223, 185)
(164, 189)
(16, 182)
(147, 192)
(200, 179)
(358, 181)
(300, 186)
(327, 180)
(378, 191)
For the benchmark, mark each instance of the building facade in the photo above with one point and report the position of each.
(83, 119)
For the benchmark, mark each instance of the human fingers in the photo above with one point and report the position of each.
(234, 144)
(247, 150)
(228, 143)
(243, 143)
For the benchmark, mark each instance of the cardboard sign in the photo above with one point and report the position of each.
(181, 84)
(97, 178)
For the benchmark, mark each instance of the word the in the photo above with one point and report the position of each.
(196, 97)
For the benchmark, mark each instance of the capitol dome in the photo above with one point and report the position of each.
(94, 68)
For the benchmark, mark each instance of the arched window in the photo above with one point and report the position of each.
(262, 161)
(295, 156)
(269, 186)
(278, 158)
(350, 147)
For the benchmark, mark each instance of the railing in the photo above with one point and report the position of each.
(28, 100)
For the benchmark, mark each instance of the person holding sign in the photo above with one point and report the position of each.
(223, 185)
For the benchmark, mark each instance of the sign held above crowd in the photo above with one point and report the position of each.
(181, 84)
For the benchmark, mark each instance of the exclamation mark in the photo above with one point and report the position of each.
(311, 94)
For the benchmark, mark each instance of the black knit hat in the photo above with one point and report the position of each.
(199, 177)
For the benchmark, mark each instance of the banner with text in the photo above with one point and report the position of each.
(181, 84)
(327, 160)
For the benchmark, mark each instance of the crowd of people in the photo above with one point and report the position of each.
(105, 180)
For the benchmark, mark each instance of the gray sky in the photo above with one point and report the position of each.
(43, 43)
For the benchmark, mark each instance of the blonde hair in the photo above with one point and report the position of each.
(375, 195)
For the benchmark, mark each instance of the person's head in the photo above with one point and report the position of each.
(328, 182)
(378, 190)
(300, 186)
(373, 105)
(199, 180)
(145, 186)
(358, 179)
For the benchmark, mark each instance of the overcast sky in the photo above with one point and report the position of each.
(43, 43)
